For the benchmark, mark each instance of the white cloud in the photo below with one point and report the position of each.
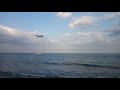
(67, 34)
(115, 17)
(83, 42)
(112, 15)
(53, 41)
(7, 30)
(83, 22)
(22, 41)
(88, 42)
(13, 40)
(84, 37)
(64, 14)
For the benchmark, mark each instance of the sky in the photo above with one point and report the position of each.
(63, 32)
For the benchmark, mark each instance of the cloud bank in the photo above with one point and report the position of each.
(13, 40)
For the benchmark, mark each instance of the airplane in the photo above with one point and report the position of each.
(39, 35)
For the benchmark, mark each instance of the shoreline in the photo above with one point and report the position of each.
(60, 75)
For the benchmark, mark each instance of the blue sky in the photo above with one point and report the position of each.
(46, 22)
(60, 27)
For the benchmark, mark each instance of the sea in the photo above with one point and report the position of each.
(59, 65)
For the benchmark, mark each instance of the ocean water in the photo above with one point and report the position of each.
(60, 65)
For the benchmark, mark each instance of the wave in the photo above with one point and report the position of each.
(86, 65)
(59, 74)
(27, 75)
(9, 74)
